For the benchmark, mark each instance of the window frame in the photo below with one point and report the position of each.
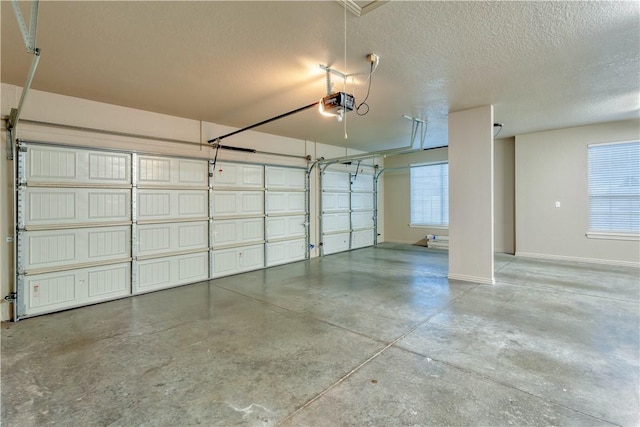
(412, 224)
(605, 234)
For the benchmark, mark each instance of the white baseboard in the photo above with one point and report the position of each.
(578, 259)
(475, 279)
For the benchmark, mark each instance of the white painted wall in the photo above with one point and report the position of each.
(471, 195)
(552, 166)
(53, 108)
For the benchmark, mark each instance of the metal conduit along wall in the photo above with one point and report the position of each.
(96, 224)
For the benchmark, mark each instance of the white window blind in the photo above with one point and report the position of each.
(614, 187)
(430, 194)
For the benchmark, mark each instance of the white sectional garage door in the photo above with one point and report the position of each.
(237, 206)
(98, 225)
(74, 221)
(362, 209)
(347, 213)
(286, 214)
(171, 223)
(336, 211)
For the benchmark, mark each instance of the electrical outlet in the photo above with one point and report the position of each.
(557, 204)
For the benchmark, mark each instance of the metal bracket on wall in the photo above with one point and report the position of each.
(29, 37)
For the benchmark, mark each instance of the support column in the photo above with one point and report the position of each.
(471, 195)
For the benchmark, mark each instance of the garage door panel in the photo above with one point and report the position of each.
(155, 239)
(237, 231)
(285, 252)
(362, 201)
(58, 165)
(335, 222)
(58, 206)
(193, 235)
(252, 257)
(336, 181)
(237, 203)
(286, 227)
(54, 291)
(165, 171)
(237, 260)
(285, 178)
(362, 219)
(166, 272)
(225, 262)
(110, 281)
(193, 172)
(286, 202)
(238, 175)
(172, 204)
(362, 183)
(109, 243)
(109, 168)
(59, 248)
(193, 204)
(333, 243)
(361, 238)
(335, 201)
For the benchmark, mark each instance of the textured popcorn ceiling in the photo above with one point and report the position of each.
(543, 65)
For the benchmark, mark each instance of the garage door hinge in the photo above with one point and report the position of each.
(11, 297)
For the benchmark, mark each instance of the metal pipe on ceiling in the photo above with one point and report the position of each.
(264, 122)
(418, 127)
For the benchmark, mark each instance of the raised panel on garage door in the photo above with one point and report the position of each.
(285, 178)
(166, 272)
(335, 202)
(237, 203)
(332, 222)
(361, 238)
(238, 175)
(167, 205)
(46, 249)
(362, 219)
(69, 206)
(362, 182)
(165, 238)
(49, 292)
(332, 243)
(362, 201)
(237, 231)
(286, 251)
(286, 202)
(237, 260)
(72, 166)
(170, 172)
(286, 227)
(336, 181)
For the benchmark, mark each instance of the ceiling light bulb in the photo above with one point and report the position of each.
(340, 115)
(323, 112)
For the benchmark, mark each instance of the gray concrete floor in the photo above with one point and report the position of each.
(377, 336)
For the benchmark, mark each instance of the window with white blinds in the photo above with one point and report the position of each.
(614, 188)
(430, 194)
